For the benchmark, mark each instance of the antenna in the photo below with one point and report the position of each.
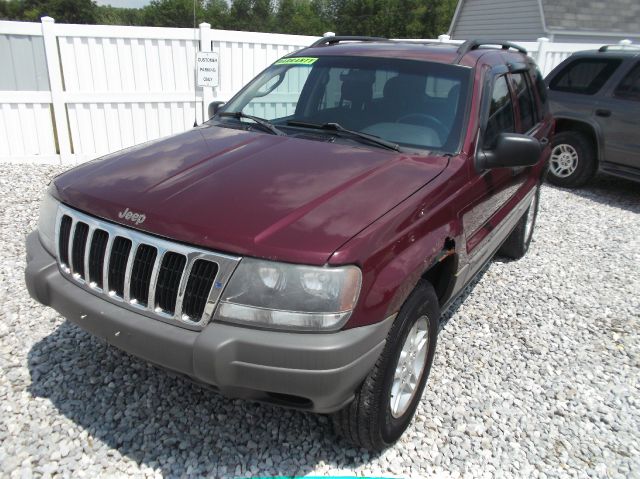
(195, 68)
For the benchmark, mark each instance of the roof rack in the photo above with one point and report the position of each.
(619, 47)
(470, 45)
(337, 39)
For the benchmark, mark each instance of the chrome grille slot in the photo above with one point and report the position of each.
(78, 248)
(141, 273)
(118, 264)
(63, 240)
(96, 256)
(169, 282)
(198, 287)
(152, 276)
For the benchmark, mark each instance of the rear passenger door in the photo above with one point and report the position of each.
(618, 114)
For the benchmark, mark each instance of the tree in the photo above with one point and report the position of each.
(388, 18)
(172, 13)
(216, 13)
(302, 17)
(251, 15)
(64, 11)
(108, 15)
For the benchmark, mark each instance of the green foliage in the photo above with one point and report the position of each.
(388, 18)
(64, 11)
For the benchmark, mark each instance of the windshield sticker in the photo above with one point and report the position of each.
(296, 61)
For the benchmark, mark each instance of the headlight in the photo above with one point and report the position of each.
(47, 223)
(287, 296)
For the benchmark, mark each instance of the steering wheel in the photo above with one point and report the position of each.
(422, 119)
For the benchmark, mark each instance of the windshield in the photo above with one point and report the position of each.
(415, 104)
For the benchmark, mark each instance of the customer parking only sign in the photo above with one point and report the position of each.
(207, 64)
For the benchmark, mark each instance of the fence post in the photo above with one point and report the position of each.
(60, 124)
(541, 57)
(208, 93)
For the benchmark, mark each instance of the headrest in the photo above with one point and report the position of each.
(357, 87)
(404, 86)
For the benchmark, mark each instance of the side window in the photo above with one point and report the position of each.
(629, 87)
(585, 76)
(500, 113)
(525, 101)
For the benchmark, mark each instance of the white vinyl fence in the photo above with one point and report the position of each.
(70, 93)
(108, 87)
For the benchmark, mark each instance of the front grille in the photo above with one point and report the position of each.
(169, 281)
(198, 288)
(79, 244)
(157, 278)
(118, 264)
(141, 273)
(96, 256)
(63, 240)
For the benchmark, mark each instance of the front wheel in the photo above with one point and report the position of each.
(572, 161)
(387, 400)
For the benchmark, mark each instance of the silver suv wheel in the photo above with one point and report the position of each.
(564, 160)
(411, 363)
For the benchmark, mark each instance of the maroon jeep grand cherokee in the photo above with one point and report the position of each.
(299, 247)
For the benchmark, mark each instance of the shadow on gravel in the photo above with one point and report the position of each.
(166, 422)
(610, 191)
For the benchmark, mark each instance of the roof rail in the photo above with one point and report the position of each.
(619, 47)
(337, 39)
(470, 45)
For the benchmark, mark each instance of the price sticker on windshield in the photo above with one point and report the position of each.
(207, 69)
(296, 61)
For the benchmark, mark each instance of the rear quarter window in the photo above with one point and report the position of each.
(584, 76)
(629, 87)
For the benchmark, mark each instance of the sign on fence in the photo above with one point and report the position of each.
(208, 74)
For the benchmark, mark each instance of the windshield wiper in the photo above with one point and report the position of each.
(352, 133)
(265, 124)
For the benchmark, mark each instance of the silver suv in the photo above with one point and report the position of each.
(595, 98)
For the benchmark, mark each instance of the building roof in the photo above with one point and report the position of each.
(616, 16)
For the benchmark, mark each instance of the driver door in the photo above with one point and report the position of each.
(491, 188)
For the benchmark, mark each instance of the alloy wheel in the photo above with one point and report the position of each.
(410, 367)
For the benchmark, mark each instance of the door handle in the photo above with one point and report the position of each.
(603, 112)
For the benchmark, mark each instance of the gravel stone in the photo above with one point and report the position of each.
(536, 372)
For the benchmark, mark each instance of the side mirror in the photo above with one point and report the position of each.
(214, 106)
(511, 150)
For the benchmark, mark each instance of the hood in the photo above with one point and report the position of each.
(249, 193)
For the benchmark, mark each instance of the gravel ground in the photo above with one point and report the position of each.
(536, 373)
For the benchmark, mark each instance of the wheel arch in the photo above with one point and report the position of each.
(441, 273)
(590, 130)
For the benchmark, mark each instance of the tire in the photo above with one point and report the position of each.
(369, 422)
(573, 160)
(517, 243)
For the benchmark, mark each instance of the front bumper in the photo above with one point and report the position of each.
(318, 372)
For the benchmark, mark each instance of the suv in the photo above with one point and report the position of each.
(595, 98)
(299, 247)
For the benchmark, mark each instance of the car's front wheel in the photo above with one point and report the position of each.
(572, 161)
(386, 402)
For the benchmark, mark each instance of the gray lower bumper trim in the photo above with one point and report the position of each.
(324, 369)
